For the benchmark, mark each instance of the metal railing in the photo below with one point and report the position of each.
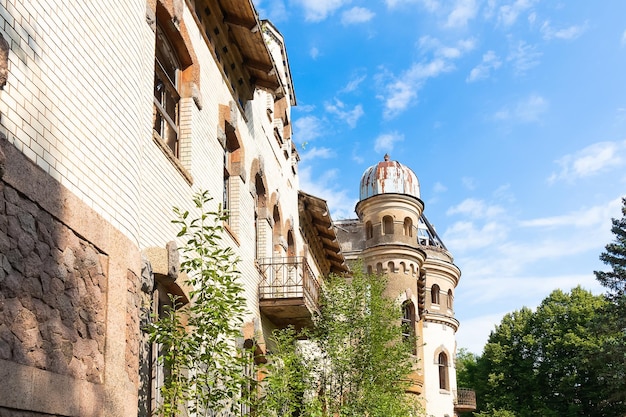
(289, 277)
(465, 398)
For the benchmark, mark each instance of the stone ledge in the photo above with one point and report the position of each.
(32, 389)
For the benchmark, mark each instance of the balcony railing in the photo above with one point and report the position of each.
(465, 399)
(287, 284)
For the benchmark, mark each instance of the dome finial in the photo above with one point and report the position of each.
(386, 157)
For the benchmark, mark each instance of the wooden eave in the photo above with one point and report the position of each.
(314, 211)
(246, 30)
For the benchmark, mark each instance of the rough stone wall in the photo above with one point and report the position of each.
(133, 316)
(6, 412)
(52, 292)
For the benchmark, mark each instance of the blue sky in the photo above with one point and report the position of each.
(512, 113)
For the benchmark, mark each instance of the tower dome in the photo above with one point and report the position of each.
(389, 177)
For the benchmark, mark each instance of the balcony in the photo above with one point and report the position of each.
(465, 400)
(288, 292)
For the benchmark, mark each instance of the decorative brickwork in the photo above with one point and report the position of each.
(52, 292)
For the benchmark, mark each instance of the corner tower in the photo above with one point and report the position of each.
(393, 237)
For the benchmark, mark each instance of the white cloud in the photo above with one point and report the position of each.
(481, 71)
(523, 57)
(462, 12)
(275, 10)
(428, 43)
(465, 236)
(589, 161)
(325, 186)
(474, 333)
(439, 188)
(386, 141)
(353, 84)
(504, 193)
(307, 128)
(430, 5)
(469, 183)
(351, 117)
(306, 108)
(314, 52)
(356, 15)
(527, 110)
(508, 13)
(585, 217)
(318, 10)
(317, 153)
(401, 91)
(476, 209)
(623, 40)
(568, 33)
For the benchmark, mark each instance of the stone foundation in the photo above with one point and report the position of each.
(52, 292)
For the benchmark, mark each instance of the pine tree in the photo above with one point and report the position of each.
(613, 321)
(615, 257)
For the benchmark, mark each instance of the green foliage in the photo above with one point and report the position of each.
(365, 361)
(205, 369)
(354, 362)
(613, 323)
(545, 362)
(615, 257)
(466, 367)
(287, 377)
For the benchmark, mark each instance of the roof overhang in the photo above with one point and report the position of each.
(247, 34)
(314, 211)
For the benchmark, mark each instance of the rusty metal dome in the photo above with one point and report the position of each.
(389, 177)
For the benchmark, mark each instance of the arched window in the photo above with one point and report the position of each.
(408, 227)
(388, 225)
(434, 294)
(369, 230)
(379, 268)
(442, 362)
(233, 153)
(370, 270)
(277, 232)
(259, 209)
(403, 268)
(408, 324)
(449, 300)
(291, 246)
(391, 266)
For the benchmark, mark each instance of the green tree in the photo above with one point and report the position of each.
(545, 362)
(288, 376)
(615, 257)
(466, 371)
(613, 322)
(205, 367)
(364, 361)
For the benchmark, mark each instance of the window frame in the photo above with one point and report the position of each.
(164, 51)
(434, 294)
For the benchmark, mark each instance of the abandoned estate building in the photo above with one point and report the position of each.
(112, 113)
